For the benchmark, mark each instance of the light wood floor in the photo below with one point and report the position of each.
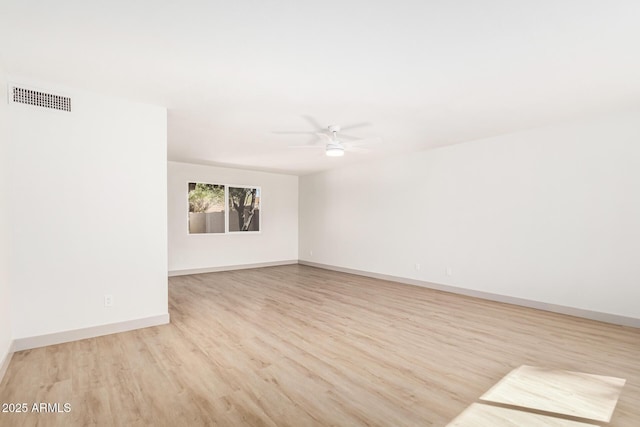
(300, 346)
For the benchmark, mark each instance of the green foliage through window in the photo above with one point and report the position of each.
(206, 197)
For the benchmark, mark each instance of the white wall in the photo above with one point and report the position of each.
(5, 244)
(89, 213)
(277, 241)
(549, 215)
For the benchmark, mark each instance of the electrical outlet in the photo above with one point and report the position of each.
(310, 253)
(108, 300)
(417, 266)
(449, 271)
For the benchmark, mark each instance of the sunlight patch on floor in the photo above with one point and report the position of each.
(560, 395)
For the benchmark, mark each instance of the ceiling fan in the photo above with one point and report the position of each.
(335, 146)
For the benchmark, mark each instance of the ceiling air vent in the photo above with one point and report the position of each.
(41, 99)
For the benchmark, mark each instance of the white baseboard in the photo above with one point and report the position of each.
(4, 364)
(571, 311)
(91, 332)
(230, 267)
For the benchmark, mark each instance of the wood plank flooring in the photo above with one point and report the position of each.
(300, 346)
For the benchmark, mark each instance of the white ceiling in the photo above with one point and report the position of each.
(422, 73)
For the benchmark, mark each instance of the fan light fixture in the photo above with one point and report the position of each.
(334, 151)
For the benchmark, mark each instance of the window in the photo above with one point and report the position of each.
(207, 213)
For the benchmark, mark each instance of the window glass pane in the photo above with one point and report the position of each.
(206, 208)
(244, 209)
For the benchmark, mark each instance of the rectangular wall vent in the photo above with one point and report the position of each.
(41, 99)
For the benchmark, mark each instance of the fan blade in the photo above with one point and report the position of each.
(351, 137)
(312, 142)
(367, 141)
(355, 125)
(357, 150)
(313, 122)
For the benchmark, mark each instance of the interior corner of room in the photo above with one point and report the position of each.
(544, 217)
